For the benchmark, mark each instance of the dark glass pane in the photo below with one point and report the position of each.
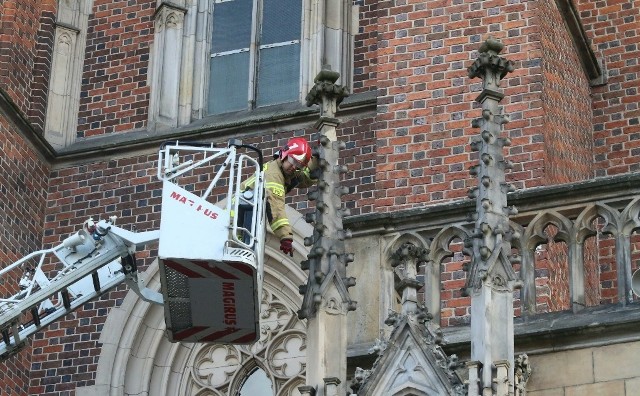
(231, 25)
(257, 384)
(281, 21)
(278, 75)
(229, 83)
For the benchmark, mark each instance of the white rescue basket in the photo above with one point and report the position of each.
(211, 267)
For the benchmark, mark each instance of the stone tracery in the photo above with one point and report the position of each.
(280, 353)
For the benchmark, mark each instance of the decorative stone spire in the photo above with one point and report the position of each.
(491, 278)
(326, 296)
(408, 258)
(413, 355)
(327, 93)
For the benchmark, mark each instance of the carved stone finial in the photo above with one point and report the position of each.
(326, 298)
(409, 251)
(326, 92)
(490, 62)
(491, 277)
(327, 75)
(491, 45)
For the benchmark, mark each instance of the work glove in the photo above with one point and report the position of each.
(286, 245)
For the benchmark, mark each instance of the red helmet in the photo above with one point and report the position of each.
(298, 151)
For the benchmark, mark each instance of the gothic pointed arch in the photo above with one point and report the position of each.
(585, 283)
(439, 250)
(534, 236)
(631, 217)
(412, 363)
(137, 358)
(584, 222)
(440, 244)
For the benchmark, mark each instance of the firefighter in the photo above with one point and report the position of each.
(291, 168)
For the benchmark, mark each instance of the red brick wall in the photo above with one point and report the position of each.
(360, 157)
(366, 45)
(23, 182)
(613, 27)
(65, 355)
(115, 94)
(26, 32)
(23, 179)
(426, 101)
(455, 307)
(567, 125)
(23, 174)
(563, 148)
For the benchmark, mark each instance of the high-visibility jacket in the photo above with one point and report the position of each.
(277, 185)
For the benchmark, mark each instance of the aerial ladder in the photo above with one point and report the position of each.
(211, 262)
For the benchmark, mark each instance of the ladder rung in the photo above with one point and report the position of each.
(5, 337)
(35, 316)
(16, 333)
(96, 281)
(65, 298)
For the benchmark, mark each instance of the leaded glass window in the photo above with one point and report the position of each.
(257, 384)
(255, 54)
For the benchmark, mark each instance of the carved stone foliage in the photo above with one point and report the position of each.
(522, 374)
(488, 59)
(326, 92)
(220, 370)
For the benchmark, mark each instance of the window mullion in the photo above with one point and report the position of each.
(282, 44)
(253, 52)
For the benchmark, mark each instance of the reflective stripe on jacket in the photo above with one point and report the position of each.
(277, 185)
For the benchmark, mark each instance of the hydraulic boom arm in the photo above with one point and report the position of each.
(95, 259)
(204, 253)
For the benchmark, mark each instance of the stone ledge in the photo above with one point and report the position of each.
(526, 200)
(219, 128)
(557, 331)
(543, 333)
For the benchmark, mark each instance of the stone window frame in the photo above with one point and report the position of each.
(178, 73)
